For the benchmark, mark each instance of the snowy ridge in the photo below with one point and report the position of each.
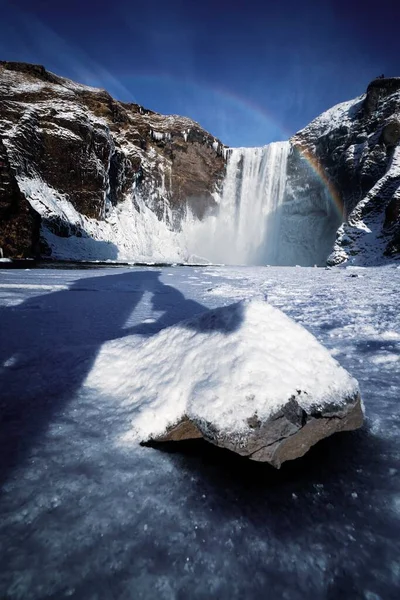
(355, 144)
(340, 115)
(15, 83)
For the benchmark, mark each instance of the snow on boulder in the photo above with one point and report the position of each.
(245, 377)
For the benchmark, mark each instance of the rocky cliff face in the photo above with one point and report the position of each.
(93, 177)
(354, 149)
(19, 223)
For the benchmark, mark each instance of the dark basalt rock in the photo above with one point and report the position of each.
(37, 71)
(391, 133)
(378, 89)
(19, 223)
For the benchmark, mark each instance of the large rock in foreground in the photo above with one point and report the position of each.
(244, 377)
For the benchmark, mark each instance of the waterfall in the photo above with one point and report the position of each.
(245, 229)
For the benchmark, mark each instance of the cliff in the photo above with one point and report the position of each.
(75, 163)
(355, 148)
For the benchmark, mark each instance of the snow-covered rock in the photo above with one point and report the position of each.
(245, 377)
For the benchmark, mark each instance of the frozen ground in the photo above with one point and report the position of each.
(87, 513)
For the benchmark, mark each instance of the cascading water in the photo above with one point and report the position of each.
(246, 229)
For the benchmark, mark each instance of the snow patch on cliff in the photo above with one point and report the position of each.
(127, 233)
(340, 115)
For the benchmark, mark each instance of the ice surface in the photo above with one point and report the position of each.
(86, 516)
(221, 367)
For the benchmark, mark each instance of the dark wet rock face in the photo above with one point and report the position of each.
(95, 152)
(391, 133)
(19, 230)
(356, 146)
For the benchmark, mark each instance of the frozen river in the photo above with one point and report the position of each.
(85, 514)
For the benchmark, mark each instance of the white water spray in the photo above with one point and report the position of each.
(246, 229)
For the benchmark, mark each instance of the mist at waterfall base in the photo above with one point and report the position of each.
(259, 218)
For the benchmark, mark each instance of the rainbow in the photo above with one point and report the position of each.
(323, 177)
(200, 87)
(242, 104)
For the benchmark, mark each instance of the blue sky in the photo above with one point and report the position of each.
(250, 72)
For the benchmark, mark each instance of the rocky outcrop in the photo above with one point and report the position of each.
(286, 435)
(68, 147)
(19, 223)
(354, 150)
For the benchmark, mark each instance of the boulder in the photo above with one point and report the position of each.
(391, 133)
(244, 377)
